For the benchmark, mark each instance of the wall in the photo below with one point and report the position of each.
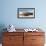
(8, 13)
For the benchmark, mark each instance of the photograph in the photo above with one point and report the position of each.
(26, 12)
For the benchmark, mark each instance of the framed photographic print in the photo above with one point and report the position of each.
(26, 12)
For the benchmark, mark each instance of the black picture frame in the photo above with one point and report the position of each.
(26, 13)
